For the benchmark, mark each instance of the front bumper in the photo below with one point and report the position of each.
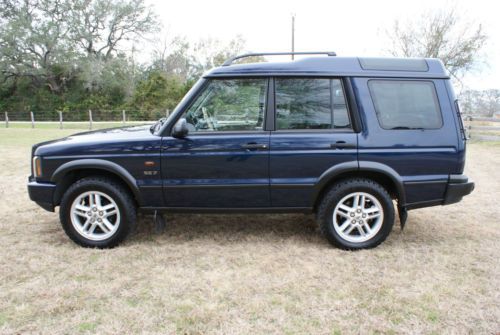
(458, 187)
(42, 194)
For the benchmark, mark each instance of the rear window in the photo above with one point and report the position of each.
(406, 104)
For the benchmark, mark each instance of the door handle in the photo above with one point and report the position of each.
(254, 146)
(342, 145)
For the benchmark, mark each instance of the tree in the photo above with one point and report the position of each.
(441, 34)
(486, 103)
(211, 53)
(48, 40)
(32, 46)
(99, 26)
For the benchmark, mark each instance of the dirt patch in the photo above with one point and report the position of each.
(244, 274)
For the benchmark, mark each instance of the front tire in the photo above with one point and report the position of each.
(97, 212)
(356, 214)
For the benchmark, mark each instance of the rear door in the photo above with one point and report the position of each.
(223, 162)
(313, 133)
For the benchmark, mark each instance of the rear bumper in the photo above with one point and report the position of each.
(42, 194)
(458, 187)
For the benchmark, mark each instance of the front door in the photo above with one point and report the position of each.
(223, 162)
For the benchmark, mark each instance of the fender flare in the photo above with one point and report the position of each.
(97, 164)
(360, 166)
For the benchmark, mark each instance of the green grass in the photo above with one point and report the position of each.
(27, 137)
(87, 327)
(21, 134)
(71, 125)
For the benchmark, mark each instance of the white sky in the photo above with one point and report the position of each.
(351, 28)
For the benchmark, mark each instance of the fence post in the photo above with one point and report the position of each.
(167, 112)
(6, 120)
(60, 120)
(32, 120)
(124, 116)
(90, 119)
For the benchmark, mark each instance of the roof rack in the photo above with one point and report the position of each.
(232, 59)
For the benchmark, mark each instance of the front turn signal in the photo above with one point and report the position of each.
(37, 167)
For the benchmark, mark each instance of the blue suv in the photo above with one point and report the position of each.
(348, 139)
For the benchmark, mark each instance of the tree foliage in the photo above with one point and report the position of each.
(79, 54)
(67, 54)
(486, 103)
(440, 34)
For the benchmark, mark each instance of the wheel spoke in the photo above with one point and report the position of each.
(81, 210)
(355, 202)
(371, 210)
(98, 200)
(361, 231)
(367, 228)
(92, 228)
(345, 225)
(349, 230)
(344, 215)
(110, 213)
(345, 208)
(108, 206)
(86, 224)
(103, 227)
(108, 224)
(362, 201)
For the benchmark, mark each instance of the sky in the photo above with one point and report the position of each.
(351, 28)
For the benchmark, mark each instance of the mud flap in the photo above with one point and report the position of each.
(403, 215)
(159, 223)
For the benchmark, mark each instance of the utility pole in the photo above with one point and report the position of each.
(293, 35)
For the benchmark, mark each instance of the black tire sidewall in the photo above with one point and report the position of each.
(110, 190)
(340, 191)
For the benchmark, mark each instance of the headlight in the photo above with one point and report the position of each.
(37, 167)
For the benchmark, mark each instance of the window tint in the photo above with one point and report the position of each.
(310, 104)
(406, 104)
(229, 105)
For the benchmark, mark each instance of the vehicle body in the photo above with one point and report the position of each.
(275, 137)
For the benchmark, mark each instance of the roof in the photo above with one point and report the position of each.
(339, 66)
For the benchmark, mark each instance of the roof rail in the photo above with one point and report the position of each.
(232, 59)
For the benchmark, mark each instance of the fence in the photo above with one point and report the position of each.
(478, 128)
(482, 128)
(89, 119)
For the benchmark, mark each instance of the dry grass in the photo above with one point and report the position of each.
(252, 274)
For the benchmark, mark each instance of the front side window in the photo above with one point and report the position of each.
(310, 103)
(229, 105)
(406, 104)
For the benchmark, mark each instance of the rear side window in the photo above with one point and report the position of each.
(310, 103)
(406, 104)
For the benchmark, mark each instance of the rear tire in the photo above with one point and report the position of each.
(356, 214)
(97, 212)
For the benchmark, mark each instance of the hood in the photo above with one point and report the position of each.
(97, 141)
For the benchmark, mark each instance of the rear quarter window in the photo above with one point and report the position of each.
(406, 104)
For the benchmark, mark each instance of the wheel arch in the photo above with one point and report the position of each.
(378, 172)
(70, 172)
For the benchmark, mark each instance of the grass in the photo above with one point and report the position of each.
(250, 274)
(71, 124)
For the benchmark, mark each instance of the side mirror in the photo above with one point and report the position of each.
(180, 129)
